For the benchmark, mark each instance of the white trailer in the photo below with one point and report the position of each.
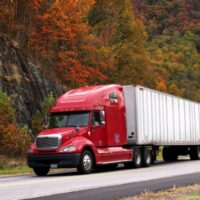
(158, 119)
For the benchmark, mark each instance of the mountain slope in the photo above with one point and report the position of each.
(22, 80)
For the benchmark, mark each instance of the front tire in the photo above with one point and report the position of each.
(86, 163)
(41, 171)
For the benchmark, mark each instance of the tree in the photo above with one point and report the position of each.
(38, 117)
(116, 24)
(17, 19)
(63, 36)
(13, 140)
(176, 60)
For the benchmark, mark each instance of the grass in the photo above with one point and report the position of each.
(15, 171)
(193, 196)
(13, 165)
(191, 192)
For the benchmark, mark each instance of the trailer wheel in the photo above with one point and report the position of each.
(86, 163)
(195, 152)
(146, 157)
(137, 158)
(169, 154)
(41, 171)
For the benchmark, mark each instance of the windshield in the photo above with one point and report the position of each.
(69, 119)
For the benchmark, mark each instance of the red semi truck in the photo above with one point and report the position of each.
(111, 124)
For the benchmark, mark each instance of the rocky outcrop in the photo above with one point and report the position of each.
(22, 81)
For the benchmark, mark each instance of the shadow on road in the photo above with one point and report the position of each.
(103, 169)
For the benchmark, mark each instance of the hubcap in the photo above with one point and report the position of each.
(148, 159)
(87, 162)
(138, 159)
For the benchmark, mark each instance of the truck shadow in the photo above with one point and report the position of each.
(103, 169)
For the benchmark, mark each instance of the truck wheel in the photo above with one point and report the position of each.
(169, 154)
(86, 163)
(195, 152)
(136, 160)
(41, 171)
(146, 157)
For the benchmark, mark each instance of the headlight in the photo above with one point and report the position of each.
(70, 148)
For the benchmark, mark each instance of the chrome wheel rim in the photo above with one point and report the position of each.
(87, 162)
(148, 159)
(138, 159)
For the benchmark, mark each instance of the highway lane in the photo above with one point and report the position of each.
(126, 190)
(31, 186)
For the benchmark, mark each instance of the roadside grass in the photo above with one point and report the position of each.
(13, 165)
(191, 192)
(18, 166)
(195, 196)
(159, 156)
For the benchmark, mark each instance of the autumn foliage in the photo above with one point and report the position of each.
(13, 140)
(57, 34)
(155, 43)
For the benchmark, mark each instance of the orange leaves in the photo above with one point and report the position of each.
(81, 75)
(36, 4)
(10, 134)
(161, 85)
(75, 72)
(62, 35)
(45, 16)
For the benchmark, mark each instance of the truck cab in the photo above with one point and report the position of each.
(87, 127)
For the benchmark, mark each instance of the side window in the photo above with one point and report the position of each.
(96, 119)
(113, 97)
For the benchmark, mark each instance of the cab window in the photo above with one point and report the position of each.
(96, 119)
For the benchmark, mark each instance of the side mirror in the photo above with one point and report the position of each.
(102, 117)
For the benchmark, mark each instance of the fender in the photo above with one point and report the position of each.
(80, 143)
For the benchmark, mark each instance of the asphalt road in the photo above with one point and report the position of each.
(101, 185)
(126, 190)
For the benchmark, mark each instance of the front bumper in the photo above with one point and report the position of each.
(59, 160)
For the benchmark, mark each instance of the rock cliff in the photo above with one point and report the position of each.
(22, 81)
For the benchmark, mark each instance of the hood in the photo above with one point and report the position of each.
(66, 132)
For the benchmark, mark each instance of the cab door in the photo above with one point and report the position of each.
(98, 130)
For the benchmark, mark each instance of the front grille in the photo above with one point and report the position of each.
(48, 142)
